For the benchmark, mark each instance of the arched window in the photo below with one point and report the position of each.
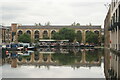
(87, 31)
(36, 35)
(79, 31)
(52, 33)
(97, 32)
(45, 34)
(20, 33)
(28, 32)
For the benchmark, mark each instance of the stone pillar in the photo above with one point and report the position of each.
(83, 57)
(49, 58)
(14, 63)
(41, 34)
(49, 34)
(83, 36)
(40, 58)
(32, 36)
(24, 60)
(32, 58)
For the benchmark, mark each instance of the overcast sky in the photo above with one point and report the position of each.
(58, 12)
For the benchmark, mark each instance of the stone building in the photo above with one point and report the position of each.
(115, 25)
(6, 34)
(0, 34)
(41, 32)
(106, 29)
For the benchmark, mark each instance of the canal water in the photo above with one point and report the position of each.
(60, 63)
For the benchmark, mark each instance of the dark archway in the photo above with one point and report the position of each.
(45, 34)
(52, 33)
(20, 33)
(36, 35)
(97, 32)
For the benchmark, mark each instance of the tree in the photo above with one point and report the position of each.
(79, 36)
(57, 36)
(91, 37)
(47, 24)
(25, 38)
(39, 24)
(78, 24)
(75, 24)
(65, 33)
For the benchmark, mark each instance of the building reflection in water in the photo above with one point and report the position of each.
(112, 65)
(75, 58)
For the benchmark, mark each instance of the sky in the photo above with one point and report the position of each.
(57, 12)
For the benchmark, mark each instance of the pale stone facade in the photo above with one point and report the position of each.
(106, 31)
(0, 35)
(115, 25)
(39, 32)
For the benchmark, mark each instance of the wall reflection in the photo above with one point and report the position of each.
(112, 65)
(75, 57)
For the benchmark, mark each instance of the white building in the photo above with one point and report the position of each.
(115, 25)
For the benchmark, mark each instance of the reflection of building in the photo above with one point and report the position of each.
(57, 59)
(115, 25)
(106, 31)
(40, 32)
(112, 65)
(107, 62)
(113, 20)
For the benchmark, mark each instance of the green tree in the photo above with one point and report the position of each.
(78, 24)
(91, 37)
(25, 38)
(79, 36)
(65, 33)
(57, 36)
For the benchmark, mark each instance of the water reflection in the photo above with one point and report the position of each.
(87, 62)
(57, 57)
(112, 64)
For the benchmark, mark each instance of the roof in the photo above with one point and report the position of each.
(58, 27)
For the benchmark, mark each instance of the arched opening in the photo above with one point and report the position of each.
(28, 32)
(79, 31)
(87, 31)
(97, 32)
(20, 33)
(52, 33)
(36, 35)
(45, 35)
